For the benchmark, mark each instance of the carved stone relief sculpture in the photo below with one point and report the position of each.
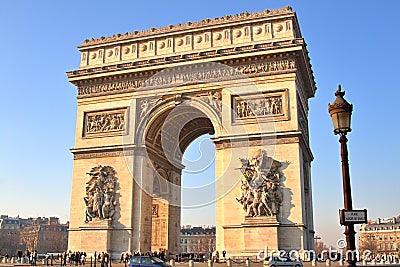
(261, 189)
(145, 105)
(108, 122)
(213, 98)
(257, 107)
(205, 75)
(100, 198)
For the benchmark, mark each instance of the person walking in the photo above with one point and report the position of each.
(216, 256)
(34, 257)
(102, 259)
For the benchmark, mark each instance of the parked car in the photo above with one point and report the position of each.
(281, 262)
(147, 261)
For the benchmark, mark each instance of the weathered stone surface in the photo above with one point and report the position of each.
(143, 97)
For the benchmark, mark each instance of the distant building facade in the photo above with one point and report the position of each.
(42, 234)
(197, 239)
(381, 237)
(9, 235)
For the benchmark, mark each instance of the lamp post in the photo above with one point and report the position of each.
(340, 111)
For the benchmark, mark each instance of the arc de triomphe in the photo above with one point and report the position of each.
(144, 96)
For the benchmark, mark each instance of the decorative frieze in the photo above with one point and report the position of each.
(263, 105)
(176, 78)
(110, 87)
(258, 107)
(105, 154)
(105, 123)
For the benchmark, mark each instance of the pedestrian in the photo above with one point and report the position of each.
(106, 258)
(65, 259)
(83, 258)
(34, 258)
(162, 255)
(224, 255)
(102, 259)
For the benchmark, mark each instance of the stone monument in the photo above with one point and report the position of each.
(144, 96)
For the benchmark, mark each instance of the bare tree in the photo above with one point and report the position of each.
(319, 248)
(368, 245)
(9, 242)
(55, 242)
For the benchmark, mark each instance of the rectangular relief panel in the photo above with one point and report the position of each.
(103, 123)
(259, 107)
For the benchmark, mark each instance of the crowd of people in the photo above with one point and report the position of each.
(29, 256)
(69, 258)
(72, 258)
(126, 256)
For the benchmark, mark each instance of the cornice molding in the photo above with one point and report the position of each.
(105, 151)
(257, 140)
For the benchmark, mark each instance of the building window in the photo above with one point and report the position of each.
(187, 40)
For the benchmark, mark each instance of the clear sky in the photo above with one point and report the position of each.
(350, 42)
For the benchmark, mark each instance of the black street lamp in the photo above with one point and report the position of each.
(340, 111)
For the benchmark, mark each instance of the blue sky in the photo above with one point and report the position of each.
(350, 42)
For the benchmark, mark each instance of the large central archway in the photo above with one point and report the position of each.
(170, 127)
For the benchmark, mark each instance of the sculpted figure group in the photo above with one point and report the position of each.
(261, 185)
(100, 193)
(105, 122)
(259, 107)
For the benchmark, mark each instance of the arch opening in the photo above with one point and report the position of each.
(167, 136)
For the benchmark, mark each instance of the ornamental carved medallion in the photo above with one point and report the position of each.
(261, 189)
(100, 198)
